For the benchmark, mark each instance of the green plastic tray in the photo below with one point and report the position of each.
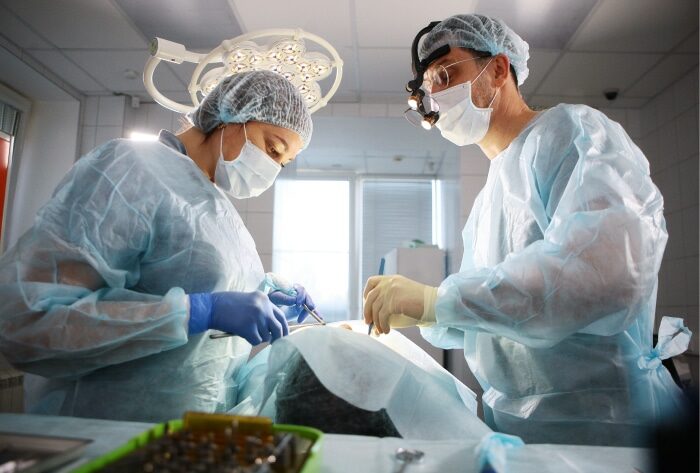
(311, 465)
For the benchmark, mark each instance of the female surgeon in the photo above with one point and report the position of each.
(106, 300)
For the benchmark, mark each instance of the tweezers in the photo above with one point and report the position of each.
(215, 336)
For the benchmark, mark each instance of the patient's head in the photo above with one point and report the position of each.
(303, 400)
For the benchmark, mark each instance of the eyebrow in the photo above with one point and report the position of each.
(439, 61)
(286, 146)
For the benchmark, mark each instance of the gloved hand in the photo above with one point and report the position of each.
(250, 315)
(282, 293)
(396, 301)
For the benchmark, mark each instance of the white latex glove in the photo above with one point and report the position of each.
(396, 301)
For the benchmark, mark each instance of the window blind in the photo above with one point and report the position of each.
(393, 212)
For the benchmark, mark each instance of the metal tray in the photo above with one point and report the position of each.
(22, 453)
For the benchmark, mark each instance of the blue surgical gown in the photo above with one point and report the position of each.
(554, 301)
(93, 297)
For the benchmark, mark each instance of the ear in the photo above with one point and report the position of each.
(501, 65)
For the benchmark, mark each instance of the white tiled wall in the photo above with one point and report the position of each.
(669, 131)
(257, 214)
(462, 180)
(103, 120)
(473, 169)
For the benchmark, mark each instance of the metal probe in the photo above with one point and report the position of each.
(313, 313)
(381, 273)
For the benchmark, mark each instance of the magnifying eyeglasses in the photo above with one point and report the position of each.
(422, 111)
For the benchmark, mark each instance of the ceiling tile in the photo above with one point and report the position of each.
(108, 68)
(183, 21)
(329, 20)
(25, 80)
(348, 82)
(579, 74)
(384, 70)
(17, 32)
(94, 24)
(539, 64)
(183, 71)
(67, 70)
(689, 45)
(345, 97)
(561, 17)
(388, 24)
(665, 73)
(637, 26)
(178, 96)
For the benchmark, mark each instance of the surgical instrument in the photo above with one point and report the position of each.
(381, 273)
(314, 314)
(215, 336)
(406, 456)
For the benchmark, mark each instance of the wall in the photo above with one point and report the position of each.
(669, 126)
(48, 151)
(103, 120)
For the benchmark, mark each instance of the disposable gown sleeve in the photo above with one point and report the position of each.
(66, 307)
(597, 263)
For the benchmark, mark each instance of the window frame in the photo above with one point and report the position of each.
(356, 182)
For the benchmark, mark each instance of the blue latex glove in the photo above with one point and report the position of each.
(250, 315)
(295, 300)
(294, 296)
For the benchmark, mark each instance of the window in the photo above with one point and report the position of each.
(315, 224)
(311, 241)
(394, 211)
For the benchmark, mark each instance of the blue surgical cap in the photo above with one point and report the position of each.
(480, 33)
(261, 96)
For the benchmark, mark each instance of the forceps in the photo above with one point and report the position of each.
(313, 313)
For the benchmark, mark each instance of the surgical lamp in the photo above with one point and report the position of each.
(421, 112)
(282, 51)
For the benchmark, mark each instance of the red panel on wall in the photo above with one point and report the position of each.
(4, 165)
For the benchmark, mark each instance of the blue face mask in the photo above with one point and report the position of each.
(249, 175)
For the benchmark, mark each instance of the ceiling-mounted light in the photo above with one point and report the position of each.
(285, 53)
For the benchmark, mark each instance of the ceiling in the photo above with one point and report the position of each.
(578, 48)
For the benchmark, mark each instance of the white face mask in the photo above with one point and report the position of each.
(249, 175)
(462, 122)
